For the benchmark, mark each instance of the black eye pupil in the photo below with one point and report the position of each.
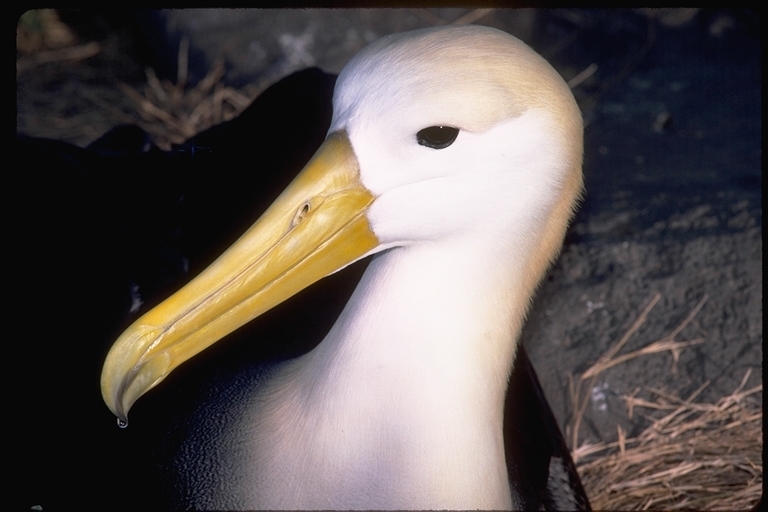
(437, 137)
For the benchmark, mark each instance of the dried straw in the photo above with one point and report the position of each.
(699, 456)
(172, 113)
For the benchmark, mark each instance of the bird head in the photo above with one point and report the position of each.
(449, 134)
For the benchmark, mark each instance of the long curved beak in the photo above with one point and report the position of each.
(317, 226)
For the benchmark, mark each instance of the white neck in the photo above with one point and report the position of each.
(403, 413)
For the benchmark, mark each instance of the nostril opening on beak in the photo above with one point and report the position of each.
(300, 214)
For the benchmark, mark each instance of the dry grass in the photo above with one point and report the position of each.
(41, 37)
(172, 113)
(697, 456)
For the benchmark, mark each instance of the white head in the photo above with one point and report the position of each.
(513, 173)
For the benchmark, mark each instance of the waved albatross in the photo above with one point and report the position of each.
(454, 157)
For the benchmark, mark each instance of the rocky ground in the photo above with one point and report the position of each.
(673, 206)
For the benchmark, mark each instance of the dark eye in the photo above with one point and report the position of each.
(437, 137)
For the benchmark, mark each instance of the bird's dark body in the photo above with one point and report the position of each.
(538, 460)
(123, 214)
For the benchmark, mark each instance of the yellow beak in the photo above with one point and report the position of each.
(317, 226)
